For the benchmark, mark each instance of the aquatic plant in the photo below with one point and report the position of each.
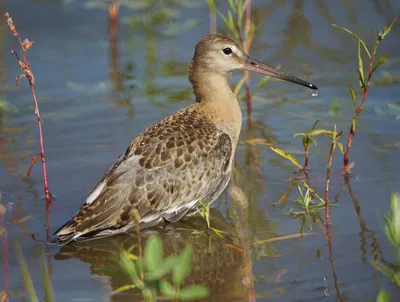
(364, 82)
(27, 280)
(28, 74)
(148, 273)
(392, 231)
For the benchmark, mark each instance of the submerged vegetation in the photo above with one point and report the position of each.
(146, 272)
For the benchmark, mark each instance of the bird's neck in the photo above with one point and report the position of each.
(216, 99)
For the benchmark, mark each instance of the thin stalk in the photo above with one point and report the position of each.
(335, 137)
(27, 72)
(358, 110)
(339, 296)
(305, 167)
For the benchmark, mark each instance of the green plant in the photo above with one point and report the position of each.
(308, 139)
(26, 277)
(363, 81)
(148, 273)
(310, 209)
(205, 213)
(392, 231)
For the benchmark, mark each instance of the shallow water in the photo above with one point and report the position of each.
(90, 116)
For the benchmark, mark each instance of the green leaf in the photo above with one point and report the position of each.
(386, 30)
(315, 124)
(25, 274)
(300, 133)
(355, 36)
(47, 286)
(353, 95)
(353, 123)
(153, 253)
(165, 267)
(232, 5)
(167, 289)
(383, 296)
(382, 60)
(122, 289)
(193, 292)
(287, 156)
(321, 131)
(128, 266)
(360, 67)
(340, 145)
(263, 81)
(180, 271)
(212, 6)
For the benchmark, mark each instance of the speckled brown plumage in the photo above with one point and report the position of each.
(179, 161)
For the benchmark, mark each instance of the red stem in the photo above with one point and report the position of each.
(306, 159)
(42, 156)
(328, 176)
(26, 68)
(357, 112)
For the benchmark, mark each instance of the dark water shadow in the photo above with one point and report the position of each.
(219, 264)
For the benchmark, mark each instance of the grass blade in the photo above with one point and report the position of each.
(355, 36)
(25, 274)
(287, 156)
(353, 95)
(360, 67)
(47, 286)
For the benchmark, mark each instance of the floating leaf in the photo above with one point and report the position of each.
(193, 292)
(355, 36)
(287, 156)
(360, 67)
(153, 253)
(181, 270)
(353, 95)
(167, 289)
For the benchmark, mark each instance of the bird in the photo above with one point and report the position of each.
(179, 162)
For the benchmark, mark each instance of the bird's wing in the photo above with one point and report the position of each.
(165, 171)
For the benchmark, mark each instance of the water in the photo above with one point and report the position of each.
(96, 95)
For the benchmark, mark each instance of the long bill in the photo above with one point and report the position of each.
(256, 66)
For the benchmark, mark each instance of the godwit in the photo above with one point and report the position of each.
(181, 160)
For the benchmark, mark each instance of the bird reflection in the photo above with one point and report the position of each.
(218, 262)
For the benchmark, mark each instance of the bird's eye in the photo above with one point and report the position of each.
(227, 51)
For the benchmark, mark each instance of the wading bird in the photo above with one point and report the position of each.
(179, 161)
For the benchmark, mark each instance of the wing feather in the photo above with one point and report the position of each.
(163, 173)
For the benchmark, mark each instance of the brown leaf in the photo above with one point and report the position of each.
(26, 44)
(19, 77)
(33, 161)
